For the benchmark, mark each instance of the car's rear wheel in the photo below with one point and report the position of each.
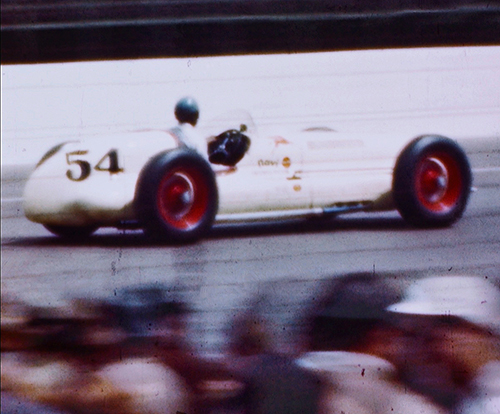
(71, 232)
(176, 196)
(432, 181)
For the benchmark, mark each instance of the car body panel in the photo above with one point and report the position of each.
(92, 181)
(104, 198)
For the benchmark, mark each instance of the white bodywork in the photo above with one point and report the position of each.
(286, 173)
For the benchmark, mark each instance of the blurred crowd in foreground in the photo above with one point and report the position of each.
(367, 345)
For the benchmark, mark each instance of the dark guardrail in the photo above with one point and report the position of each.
(64, 30)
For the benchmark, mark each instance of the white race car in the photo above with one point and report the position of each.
(150, 179)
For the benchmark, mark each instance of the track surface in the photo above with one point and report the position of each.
(287, 261)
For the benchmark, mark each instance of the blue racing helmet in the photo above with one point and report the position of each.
(187, 111)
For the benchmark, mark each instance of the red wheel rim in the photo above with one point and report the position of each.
(182, 198)
(438, 182)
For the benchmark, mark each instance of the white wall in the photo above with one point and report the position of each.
(453, 91)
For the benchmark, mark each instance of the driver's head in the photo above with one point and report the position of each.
(187, 111)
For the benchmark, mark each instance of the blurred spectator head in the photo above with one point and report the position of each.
(147, 312)
(350, 309)
(249, 334)
(472, 299)
(451, 328)
(55, 327)
(14, 320)
(74, 325)
(459, 315)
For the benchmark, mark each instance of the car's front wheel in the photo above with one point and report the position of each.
(176, 196)
(432, 181)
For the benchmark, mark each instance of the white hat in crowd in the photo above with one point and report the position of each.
(474, 299)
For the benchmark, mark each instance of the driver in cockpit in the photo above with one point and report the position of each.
(227, 148)
(187, 113)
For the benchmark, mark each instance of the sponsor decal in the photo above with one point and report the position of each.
(286, 162)
(280, 140)
(297, 187)
(267, 163)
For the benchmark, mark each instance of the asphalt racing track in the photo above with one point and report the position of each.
(286, 261)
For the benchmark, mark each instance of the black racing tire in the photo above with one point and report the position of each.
(71, 232)
(432, 182)
(176, 196)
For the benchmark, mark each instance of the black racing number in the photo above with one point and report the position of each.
(108, 162)
(84, 166)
